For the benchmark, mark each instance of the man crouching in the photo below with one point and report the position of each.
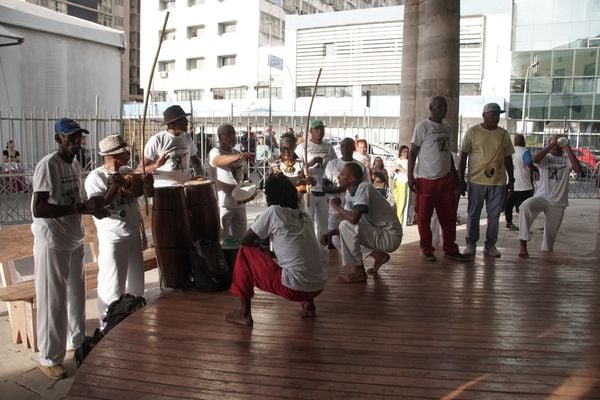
(296, 276)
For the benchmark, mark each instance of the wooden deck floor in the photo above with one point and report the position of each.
(490, 329)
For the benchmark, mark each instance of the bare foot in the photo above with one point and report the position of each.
(309, 310)
(523, 253)
(380, 259)
(358, 275)
(237, 317)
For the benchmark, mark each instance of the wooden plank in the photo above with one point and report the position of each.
(488, 329)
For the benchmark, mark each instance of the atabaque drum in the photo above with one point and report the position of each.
(171, 235)
(203, 210)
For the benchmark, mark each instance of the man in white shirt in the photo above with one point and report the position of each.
(120, 236)
(361, 154)
(369, 225)
(436, 179)
(169, 153)
(523, 189)
(297, 275)
(57, 204)
(331, 186)
(231, 169)
(552, 196)
(319, 154)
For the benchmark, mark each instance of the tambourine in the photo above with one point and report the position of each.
(244, 192)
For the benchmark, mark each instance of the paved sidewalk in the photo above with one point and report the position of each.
(20, 379)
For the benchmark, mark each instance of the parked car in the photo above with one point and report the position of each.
(585, 156)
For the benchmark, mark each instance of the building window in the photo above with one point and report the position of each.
(271, 26)
(105, 19)
(165, 4)
(382, 90)
(227, 27)
(262, 92)
(166, 66)
(229, 93)
(195, 31)
(118, 21)
(325, 91)
(469, 89)
(327, 49)
(188, 94)
(226, 61)
(194, 63)
(169, 34)
(158, 96)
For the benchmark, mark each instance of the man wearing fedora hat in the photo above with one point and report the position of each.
(489, 150)
(319, 154)
(169, 153)
(57, 204)
(120, 259)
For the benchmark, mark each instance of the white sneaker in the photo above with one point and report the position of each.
(492, 251)
(470, 250)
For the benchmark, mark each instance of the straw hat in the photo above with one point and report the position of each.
(112, 145)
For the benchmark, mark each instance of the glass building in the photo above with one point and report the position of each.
(563, 90)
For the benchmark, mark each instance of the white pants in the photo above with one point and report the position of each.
(121, 269)
(530, 209)
(360, 240)
(318, 213)
(60, 300)
(333, 222)
(233, 222)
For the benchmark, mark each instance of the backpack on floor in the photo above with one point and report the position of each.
(120, 309)
(209, 271)
(86, 346)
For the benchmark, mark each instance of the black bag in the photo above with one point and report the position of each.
(88, 344)
(121, 309)
(209, 270)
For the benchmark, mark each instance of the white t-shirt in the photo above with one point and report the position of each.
(434, 154)
(296, 246)
(227, 177)
(378, 211)
(334, 167)
(522, 173)
(176, 170)
(291, 175)
(554, 179)
(324, 150)
(113, 228)
(401, 176)
(362, 158)
(64, 184)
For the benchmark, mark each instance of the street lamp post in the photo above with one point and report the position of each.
(270, 22)
(534, 65)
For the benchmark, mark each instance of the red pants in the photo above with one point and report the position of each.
(253, 268)
(437, 194)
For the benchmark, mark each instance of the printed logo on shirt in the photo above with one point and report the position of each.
(555, 173)
(443, 144)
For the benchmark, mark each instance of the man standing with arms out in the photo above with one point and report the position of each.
(231, 169)
(361, 154)
(56, 206)
(169, 153)
(435, 181)
(523, 187)
(552, 196)
(331, 185)
(369, 225)
(319, 154)
(489, 150)
(120, 244)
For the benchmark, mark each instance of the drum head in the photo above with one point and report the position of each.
(197, 182)
(244, 192)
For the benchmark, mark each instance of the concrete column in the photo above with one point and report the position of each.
(436, 65)
(408, 85)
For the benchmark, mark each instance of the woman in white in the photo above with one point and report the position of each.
(400, 183)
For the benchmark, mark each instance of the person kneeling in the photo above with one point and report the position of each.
(295, 276)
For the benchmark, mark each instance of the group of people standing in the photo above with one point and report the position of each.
(314, 200)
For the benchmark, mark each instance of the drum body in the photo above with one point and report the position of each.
(171, 234)
(203, 209)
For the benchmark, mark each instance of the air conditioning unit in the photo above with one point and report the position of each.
(164, 74)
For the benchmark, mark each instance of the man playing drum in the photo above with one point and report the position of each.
(231, 168)
(169, 153)
(296, 276)
(120, 236)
